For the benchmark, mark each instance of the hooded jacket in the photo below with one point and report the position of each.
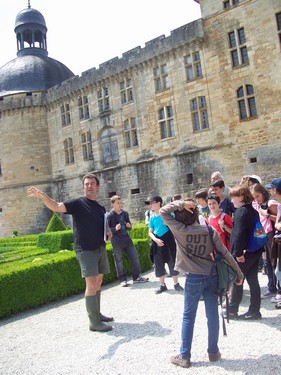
(194, 244)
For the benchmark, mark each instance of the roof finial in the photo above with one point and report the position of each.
(29, 6)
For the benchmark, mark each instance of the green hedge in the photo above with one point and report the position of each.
(55, 241)
(29, 240)
(20, 256)
(35, 283)
(55, 224)
(35, 280)
(139, 231)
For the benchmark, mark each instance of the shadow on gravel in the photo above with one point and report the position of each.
(133, 332)
(264, 365)
(273, 322)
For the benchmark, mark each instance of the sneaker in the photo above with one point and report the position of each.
(214, 357)
(278, 306)
(268, 294)
(179, 361)
(250, 316)
(275, 299)
(141, 280)
(178, 287)
(162, 288)
(124, 283)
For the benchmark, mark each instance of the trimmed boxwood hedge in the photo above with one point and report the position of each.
(55, 241)
(29, 240)
(55, 224)
(20, 256)
(139, 231)
(41, 277)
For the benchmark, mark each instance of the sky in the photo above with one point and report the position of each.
(84, 34)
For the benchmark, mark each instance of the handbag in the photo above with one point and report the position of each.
(258, 237)
(226, 274)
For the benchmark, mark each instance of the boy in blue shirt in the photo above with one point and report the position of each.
(164, 246)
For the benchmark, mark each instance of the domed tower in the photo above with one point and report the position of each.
(25, 156)
(32, 70)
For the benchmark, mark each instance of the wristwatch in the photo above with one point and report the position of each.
(267, 216)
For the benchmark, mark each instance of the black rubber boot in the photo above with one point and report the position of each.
(103, 318)
(94, 315)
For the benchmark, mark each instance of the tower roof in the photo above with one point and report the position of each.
(29, 16)
(32, 70)
(32, 73)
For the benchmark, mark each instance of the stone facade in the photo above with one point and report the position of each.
(32, 133)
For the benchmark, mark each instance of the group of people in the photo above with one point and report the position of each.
(233, 218)
(181, 239)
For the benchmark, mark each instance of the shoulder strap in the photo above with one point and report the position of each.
(211, 231)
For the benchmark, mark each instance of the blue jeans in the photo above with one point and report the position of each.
(195, 286)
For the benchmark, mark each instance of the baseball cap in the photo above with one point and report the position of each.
(154, 198)
(255, 177)
(276, 183)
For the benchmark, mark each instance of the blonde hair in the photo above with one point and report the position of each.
(114, 198)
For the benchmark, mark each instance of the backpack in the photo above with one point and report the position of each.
(226, 278)
(258, 237)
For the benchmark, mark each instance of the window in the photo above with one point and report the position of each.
(189, 178)
(161, 79)
(193, 67)
(103, 100)
(166, 122)
(126, 91)
(83, 108)
(110, 194)
(68, 151)
(130, 132)
(199, 113)
(87, 149)
(237, 47)
(135, 191)
(65, 115)
(246, 102)
(278, 20)
(228, 3)
(109, 145)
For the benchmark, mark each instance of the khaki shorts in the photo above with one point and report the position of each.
(94, 262)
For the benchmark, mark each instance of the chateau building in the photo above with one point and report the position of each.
(160, 119)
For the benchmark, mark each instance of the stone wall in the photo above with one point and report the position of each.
(31, 131)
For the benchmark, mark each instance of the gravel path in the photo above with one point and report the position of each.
(55, 340)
